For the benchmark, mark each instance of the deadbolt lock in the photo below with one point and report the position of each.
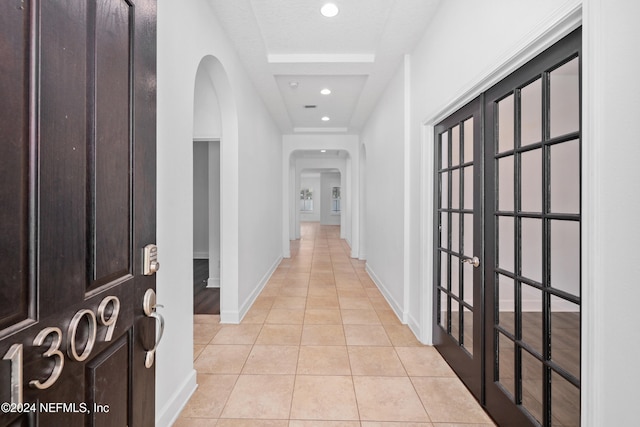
(150, 264)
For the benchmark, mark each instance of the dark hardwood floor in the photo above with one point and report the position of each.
(205, 300)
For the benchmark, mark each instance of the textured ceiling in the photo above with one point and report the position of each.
(354, 54)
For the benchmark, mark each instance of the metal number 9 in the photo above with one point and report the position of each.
(110, 323)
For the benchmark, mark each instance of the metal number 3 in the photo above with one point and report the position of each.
(54, 351)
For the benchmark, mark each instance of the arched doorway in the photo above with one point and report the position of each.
(216, 123)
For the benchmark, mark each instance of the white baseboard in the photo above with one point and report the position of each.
(385, 293)
(213, 282)
(229, 317)
(414, 325)
(167, 415)
(244, 308)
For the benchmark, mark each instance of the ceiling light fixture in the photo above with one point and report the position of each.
(293, 85)
(329, 10)
(325, 91)
(325, 119)
(323, 151)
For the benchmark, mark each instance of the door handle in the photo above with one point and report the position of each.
(149, 307)
(475, 261)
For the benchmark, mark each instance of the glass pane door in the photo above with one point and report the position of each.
(458, 222)
(507, 227)
(533, 241)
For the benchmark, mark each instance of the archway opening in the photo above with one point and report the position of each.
(215, 140)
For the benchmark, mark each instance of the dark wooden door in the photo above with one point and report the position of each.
(77, 205)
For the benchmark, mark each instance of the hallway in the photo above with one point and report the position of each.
(321, 347)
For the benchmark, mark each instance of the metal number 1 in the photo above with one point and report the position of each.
(14, 355)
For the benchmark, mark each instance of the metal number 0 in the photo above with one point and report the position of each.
(73, 330)
(54, 351)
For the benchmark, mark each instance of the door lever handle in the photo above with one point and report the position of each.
(475, 261)
(149, 307)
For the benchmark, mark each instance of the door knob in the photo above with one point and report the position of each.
(475, 261)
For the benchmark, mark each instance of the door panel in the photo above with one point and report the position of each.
(14, 173)
(532, 275)
(458, 294)
(78, 205)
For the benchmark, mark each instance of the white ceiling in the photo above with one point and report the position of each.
(354, 54)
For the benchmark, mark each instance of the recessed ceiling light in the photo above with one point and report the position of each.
(323, 151)
(329, 10)
(325, 91)
(325, 119)
(293, 85)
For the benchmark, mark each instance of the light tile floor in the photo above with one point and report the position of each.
(321, 347)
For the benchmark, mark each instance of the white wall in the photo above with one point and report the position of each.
(215, 234)
(611, 229)
(311, 181)
(206, 112)
(201, 200)
(251, 162)
(384, 210)
(328, 180)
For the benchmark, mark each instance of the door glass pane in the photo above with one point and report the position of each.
(455, 189)
(468, 235)
(444, 193)
(532, 383)
(444, 230)
(506, 364)
(565, 99)
(467, 269)
(531, 244)
(565, 256)
(444, 150)
(532, 326)
(467, 330)
(531, 189)
(565, 402)
(505, 243)
(468, 187)
(443, 310)
(455, 146)
(505, 124)
(455, 275)
(531, 113)
(565, 177)
(455, 320)
(468, 140)
(565, 335)
(455, 232)
(467, 277)
(505, 184)
(444, 270)
(506, 304)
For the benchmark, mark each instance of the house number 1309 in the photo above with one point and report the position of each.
(14, 354)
